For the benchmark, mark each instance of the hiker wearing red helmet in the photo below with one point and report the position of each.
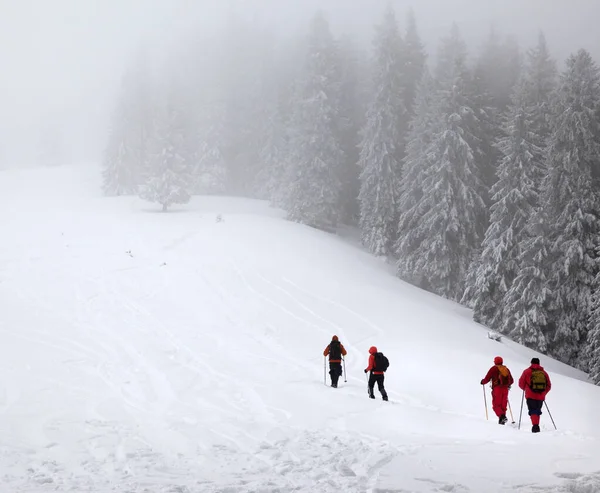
(335, 350)
(378, 364)
(501, 379)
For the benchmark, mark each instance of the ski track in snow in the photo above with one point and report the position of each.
(117, 451)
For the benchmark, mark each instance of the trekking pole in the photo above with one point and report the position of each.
(485, 402)
(521, 413)
(325, 371)
(344, 360)
(549, 414)
(511, 414)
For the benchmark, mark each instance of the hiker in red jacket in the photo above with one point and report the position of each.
(335, 350)
(501, 379)
(377, 366)
(535, 382)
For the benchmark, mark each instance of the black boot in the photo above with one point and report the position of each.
(535, 429)
(502, 419)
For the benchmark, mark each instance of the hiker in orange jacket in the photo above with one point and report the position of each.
(501, 379)
(535, 382)
(335, 350)
(377, 374)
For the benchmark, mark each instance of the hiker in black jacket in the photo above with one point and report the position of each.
(377, 366)
(335, 350)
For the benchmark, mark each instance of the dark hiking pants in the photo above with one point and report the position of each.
(379, 380)
(535, 410)
(335, 371)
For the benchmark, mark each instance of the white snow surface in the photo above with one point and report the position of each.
(173, 352)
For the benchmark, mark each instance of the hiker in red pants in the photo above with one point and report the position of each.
(501, 379)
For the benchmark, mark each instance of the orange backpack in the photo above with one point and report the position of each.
(503, 375)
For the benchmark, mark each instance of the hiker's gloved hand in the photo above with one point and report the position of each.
(366, 370)
(482, 382)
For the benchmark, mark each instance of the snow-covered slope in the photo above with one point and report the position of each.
(151, 352)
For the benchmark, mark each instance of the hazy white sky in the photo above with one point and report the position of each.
(62, 59)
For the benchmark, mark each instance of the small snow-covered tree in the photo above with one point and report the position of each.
(571, 197)
(514, 201)
(168, 179)
(120, 171)
(117, 177)
(382, 146)
(314, 190)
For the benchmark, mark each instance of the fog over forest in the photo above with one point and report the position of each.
(62, 61)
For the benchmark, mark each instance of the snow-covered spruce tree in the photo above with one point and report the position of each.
(382, 146)
(593, 338)
(481, 131)
(211, 177)
(449, 226)
(528, 305)
(514, 201)
(541, 73)
(272, 156)
(498, 69)
(243, 64)
(416, 167)
(452, 48)
(120, 164)
(210, 168)
(352, 111)
(570, 194)
(127, 151)
(271, 181)
(523, 312)
(415, 58)
(118, 177)
(168, 179)
(493, 80)
(314, 189)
